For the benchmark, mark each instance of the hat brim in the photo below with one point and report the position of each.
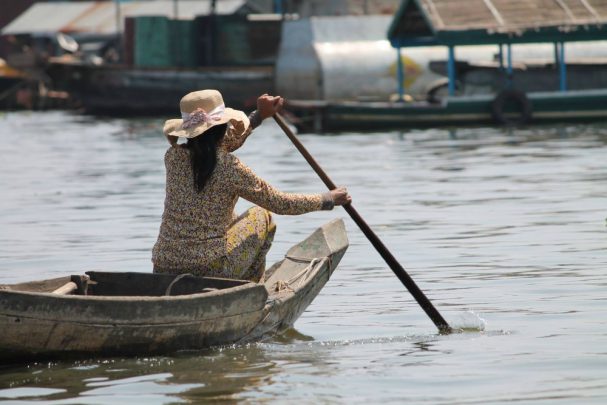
(236, 118)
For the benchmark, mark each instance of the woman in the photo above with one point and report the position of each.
(200, 233)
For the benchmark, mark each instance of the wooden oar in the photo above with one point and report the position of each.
(400, 272)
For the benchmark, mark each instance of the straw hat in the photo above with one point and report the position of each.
(201, 110)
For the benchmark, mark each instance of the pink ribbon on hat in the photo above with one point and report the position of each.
(198, 116)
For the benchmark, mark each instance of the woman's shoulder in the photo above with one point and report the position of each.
(231, 163)
(175, 151)
(225, 157)
(229, 159)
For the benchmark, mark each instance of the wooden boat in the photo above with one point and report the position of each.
(106, 313)
(127, 90)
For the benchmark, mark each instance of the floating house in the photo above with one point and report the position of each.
(512, 94)
(137, 57)
(141, 57)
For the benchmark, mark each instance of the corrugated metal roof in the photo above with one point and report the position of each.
(492, 21)
(99, 17)
(509, 15)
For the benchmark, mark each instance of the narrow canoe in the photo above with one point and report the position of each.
(111, 313)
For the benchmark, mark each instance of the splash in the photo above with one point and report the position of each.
(468, 321)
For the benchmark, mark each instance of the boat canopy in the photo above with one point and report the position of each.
(478, 22)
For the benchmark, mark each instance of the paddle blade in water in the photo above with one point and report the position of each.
(468, 321)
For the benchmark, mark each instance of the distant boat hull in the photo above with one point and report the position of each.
(310, 116)
(122, 90)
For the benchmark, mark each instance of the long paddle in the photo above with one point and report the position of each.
(400, 272)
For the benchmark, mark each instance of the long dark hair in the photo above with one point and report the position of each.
(203, 154)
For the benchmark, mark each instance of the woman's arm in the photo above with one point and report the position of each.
(256, 190)
(238, 132)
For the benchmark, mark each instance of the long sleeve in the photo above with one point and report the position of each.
(238, 132)
(256, 190)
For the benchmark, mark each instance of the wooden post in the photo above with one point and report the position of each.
(562, 68)
(210, 35)
(117, 9)
(510, 65)
(119, 30)
(66, 289)
(400, 75)
(451, 70)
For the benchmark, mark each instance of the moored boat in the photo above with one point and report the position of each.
(481, 109)
(126, 90)
(111, 313)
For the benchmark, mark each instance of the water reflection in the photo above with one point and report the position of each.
(216, 374)
(470, 138)
(224, 374)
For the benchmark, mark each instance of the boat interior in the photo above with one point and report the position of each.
(96, 283)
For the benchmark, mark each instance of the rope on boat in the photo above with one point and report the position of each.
(282, 285)
(175, 280)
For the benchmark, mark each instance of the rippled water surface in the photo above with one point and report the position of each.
(505, 228)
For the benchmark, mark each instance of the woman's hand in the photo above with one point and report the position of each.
(340, 196)
(268, 105)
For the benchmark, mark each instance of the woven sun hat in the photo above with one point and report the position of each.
(201, 110)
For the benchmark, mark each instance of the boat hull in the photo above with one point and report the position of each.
(163, 313)
(571, 106)
(294, 282)
(123, 90)
(42, 324)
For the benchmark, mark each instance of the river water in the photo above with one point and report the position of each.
(505, 231)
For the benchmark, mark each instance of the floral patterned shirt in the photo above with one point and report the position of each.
(194, 224)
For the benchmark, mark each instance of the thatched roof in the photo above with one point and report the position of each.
(467, 22)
